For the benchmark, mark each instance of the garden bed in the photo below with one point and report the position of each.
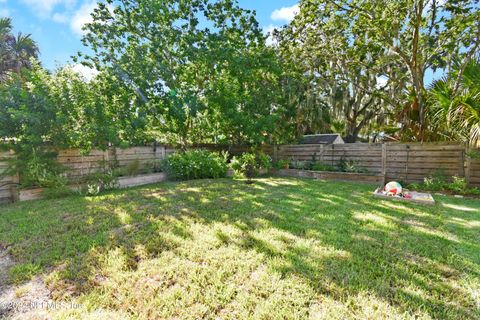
(332, 175)
(140, 180)
(123, 182)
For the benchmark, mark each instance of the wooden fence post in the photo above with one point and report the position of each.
(15, 183)
(468, 168)
(164, 152)
(275, 153)
(384, 163)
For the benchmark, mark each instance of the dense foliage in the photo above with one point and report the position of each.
(249, 164)
(196, 164)
(15, 50)
(455, 106)
(369, 60)
(192, 83)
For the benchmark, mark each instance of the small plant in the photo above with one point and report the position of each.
(133, 168)
(196, 164)
(301, 165)
(320, 166)
(435, 182)
(438, 182)
(350, 166)
(105, 179)
(96, 182)
(57, 192)
(153, 166)
(282, 164)
(249, 164)
(458, 185)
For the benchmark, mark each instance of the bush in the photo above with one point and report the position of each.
(301, 165)
(282, 164)
(249, 164)
(350, 166)
(438, 182)
(153, 166)
(96, 182)
(458, 185)
(196, 164)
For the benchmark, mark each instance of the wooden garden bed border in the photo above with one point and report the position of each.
(122, 182)
(371, 178)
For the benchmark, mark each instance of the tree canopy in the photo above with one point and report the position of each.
(201, 70)
(347, 46)
(15, 50)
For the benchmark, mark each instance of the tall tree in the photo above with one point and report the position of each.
(192, 63)
(454, 104)
(340, 63)
(16, 52)
(420, 36)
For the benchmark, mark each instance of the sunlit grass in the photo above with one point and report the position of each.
(278, 249)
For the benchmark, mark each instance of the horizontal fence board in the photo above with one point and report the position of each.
(425, 146)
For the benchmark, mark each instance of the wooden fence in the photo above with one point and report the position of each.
(79, 165)
(397, 161)
(403, 162)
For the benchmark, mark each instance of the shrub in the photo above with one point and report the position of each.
(249, 164)
(196, 164)
(133, 168)
(281, 164)
(350, 166)
(301, 165)
(438, 182)
(96, 182)
(57, 192)
(458, 185)
(153, 166)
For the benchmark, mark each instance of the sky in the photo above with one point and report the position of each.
(56, 25)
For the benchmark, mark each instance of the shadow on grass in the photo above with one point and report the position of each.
(335, 236)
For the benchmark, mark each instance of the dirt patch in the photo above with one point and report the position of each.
(27, 301)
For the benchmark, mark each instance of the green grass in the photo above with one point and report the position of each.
(278, 249)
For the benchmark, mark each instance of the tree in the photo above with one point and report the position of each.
(341, 65)
(420, 35)
(15, 51)
(196, 81)
(454, 103)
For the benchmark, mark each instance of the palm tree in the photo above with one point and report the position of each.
(23, 47)
(455, 108)
(15, 51)
(5, 40)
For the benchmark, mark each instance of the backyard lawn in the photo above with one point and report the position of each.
(281, 248)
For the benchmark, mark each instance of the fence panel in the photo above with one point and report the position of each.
(406, 162)
(79, 165)
(413, 162)
(473, 170)
(368, 156)
(6, 183)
